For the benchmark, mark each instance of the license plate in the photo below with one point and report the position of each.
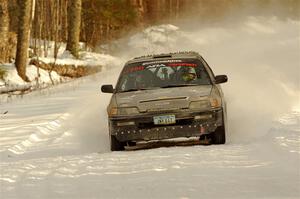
(164, 119)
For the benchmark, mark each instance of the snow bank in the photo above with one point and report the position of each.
(12, 80)
(88, 59)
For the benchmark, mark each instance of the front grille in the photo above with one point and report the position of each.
(164, 99)
(161, 109)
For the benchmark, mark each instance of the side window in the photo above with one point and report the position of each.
(124, 83)
(123, 87)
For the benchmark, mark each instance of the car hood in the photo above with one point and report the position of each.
(163, 99)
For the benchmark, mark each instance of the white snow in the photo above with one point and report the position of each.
(88, 59)
(54, 143)
(13, 79)
(43, 80)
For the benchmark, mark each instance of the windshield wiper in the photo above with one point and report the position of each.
(178, 85)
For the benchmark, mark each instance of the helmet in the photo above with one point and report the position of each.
(187, 74)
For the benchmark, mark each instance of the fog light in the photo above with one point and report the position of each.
(203, 117)
(125, 123)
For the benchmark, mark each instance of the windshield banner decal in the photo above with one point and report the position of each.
(183, 64)
(162, 61)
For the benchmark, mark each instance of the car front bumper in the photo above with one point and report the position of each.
(188, 124)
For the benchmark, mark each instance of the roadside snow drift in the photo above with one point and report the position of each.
(54, 143)
(41, 78)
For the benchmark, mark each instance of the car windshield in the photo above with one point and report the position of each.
(162, 74)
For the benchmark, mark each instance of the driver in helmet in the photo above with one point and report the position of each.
(187, 74)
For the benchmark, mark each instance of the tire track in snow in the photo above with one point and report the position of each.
(45, 136)
(81, 129)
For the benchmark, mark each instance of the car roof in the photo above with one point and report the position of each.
(175, 55)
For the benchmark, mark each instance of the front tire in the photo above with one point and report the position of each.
(219, 137)
(116, 145)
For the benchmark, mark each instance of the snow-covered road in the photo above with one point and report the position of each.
(54, 142)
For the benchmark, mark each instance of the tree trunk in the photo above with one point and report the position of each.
(23, 37)
(177, 9)
(4, 28)
(139, 7)
(74, 19)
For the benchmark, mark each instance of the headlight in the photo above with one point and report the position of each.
(123, 111)
(202, 104)
(215, 99)
(128, 111)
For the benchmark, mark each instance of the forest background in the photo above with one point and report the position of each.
(28, 26)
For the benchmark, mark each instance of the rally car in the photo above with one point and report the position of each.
(166, 96)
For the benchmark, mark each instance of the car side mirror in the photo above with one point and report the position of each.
(107, 88)
(221, 79)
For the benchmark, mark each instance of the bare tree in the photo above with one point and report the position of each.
(139, 6)
(74, 20)
(23, 37)
(4, 29)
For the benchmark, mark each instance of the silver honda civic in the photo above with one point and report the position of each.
(166, 96)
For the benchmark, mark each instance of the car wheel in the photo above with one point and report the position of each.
(116, 145)
(219, 137)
